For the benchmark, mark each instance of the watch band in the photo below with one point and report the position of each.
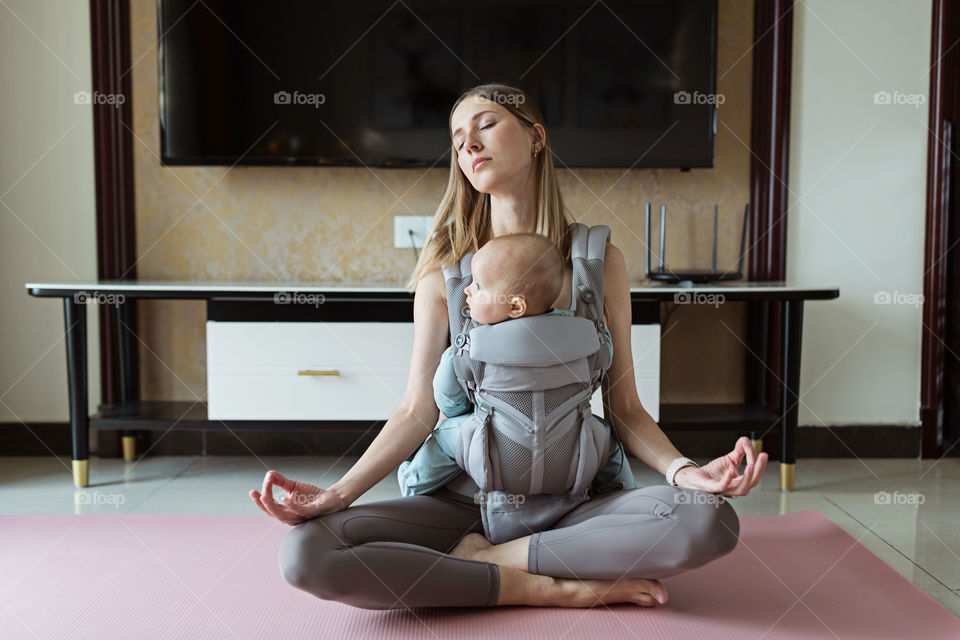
(675, 466)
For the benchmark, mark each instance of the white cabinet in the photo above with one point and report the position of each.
(306, 370)
(343, 370)
(645, 345)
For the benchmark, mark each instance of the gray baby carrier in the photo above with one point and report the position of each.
(533, 445)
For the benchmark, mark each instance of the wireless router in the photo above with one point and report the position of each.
(665, 274)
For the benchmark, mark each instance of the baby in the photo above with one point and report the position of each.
(514, 276)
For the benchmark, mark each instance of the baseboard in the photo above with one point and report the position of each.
(862, 441)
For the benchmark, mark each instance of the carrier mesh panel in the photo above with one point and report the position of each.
(454, 295)
(515, 462)
(553, 398)
(556, 462)
(521, 401)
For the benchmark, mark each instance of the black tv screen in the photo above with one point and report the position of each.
(308, 82)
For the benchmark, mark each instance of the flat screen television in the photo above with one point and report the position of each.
(371, 82)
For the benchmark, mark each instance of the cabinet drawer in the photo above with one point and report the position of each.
(645, 348)
(261, 370)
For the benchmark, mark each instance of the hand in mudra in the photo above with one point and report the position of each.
(722, 474)
(302, 502)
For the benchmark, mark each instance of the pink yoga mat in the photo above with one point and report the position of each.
(189, 576)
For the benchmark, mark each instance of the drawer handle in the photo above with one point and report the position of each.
(321, 372)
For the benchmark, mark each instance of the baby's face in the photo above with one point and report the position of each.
(487, 304)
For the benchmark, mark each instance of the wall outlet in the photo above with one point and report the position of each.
(403, 225)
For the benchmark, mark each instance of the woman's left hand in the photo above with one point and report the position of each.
(722, 475)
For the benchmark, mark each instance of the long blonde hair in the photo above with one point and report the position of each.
(462, 222)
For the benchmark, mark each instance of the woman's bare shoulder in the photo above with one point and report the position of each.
(432, 285)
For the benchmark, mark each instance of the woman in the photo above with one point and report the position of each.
(428, 550)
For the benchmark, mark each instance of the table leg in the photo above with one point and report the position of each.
(75, 323)
(125, 370)
(759, 314)
(790, 397)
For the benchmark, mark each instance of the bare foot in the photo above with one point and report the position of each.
(472, 547)
(591, 593)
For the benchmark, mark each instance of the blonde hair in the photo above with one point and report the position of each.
(462, 221)
(527, 265)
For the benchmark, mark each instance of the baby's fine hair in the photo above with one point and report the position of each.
(529, 265)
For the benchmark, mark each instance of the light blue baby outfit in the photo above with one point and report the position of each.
(434, 464)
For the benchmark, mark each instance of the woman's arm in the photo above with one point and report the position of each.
(640, 433)
(417, 414)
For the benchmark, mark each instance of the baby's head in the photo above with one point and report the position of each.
(514, 275)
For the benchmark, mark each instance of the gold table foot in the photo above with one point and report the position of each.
(80, 473)
(786, 475)
(757, 445)
(129, 448)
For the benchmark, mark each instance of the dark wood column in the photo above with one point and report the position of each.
(770, 146)
(943, 117)
(113, 163)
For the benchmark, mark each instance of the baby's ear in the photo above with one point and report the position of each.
(518, 306)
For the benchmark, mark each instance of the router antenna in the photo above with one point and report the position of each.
(646, 223)
(743, 237)
(663, 232)
(715, 207)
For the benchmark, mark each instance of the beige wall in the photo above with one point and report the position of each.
(266, 223)
(857, 205)
(856, 212)
(47, 207)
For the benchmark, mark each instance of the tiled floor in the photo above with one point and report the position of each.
(916, 531)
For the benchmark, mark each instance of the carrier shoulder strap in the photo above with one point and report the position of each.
(587, 253)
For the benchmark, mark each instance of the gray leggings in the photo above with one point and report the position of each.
(391, 554)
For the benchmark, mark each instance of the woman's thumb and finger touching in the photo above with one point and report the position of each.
(301, 502)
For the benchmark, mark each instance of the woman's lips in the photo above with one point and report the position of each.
(479, 163)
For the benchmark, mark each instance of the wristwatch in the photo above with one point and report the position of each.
(675, 466)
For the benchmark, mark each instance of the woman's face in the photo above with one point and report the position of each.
(481, 128)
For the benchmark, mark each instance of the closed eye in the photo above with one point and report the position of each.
(481, 128)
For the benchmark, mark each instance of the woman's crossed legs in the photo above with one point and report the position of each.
(417, 551)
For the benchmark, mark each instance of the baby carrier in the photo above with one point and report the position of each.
(533, 445)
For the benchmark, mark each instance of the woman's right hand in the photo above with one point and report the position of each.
(302, 502)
